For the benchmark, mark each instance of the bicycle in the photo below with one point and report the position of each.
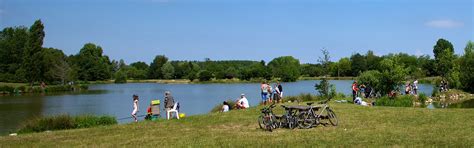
(289, 119)
(312, 115)
(267, 119)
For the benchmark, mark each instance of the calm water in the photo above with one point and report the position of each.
(116, 99)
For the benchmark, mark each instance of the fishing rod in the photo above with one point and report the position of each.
(131, 117)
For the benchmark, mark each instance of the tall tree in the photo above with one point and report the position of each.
(56, 67)
(32, 58)
(324, 88)
(467, 64)
(155, 67)
(286, 67)
(358, 64)
(92, 65)
(167, 70)
(444, 55)
(12, 45)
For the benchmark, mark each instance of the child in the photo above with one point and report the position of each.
(135, 107)
(225, 107)
(148, 115)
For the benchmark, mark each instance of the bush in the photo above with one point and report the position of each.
(7, 89)
(302, 98)
(61, 122)
(400, 101)
(422, 98)
(218, 107)
(121, 77)
(205, 75)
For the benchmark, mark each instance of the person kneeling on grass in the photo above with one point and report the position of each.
(242, 103)
(148, 111)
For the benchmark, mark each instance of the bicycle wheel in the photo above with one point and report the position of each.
(260, 122)
(267, 121)
(305, 120)
(332, 117)
(292, 122)
(275, 122)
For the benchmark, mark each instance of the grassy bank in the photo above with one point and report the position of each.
(358, 126)
(19, 88)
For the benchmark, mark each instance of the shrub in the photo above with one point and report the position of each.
(422, 98)
(400, 101)
(61, 122)
(7, 89)
(302, 98)
(205, 75)
(121, 77)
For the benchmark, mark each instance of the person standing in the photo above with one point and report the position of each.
(276, 94)
(280, 88)
(415, 87)
(270, 92)
(135, 107)
(407, 88)
(355, 89)
(263, 88)
(169, 102)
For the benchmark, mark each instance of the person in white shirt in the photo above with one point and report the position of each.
(225, 107)
(242, 103)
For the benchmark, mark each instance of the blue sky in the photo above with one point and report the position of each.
(137, 30)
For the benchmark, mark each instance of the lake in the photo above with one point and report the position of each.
(116, 99)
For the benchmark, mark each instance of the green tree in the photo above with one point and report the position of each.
(91, 64)
(358, 64)
(32, 58)
(444, 63)
(167, 70)
(444, 55)
(140, 65)
(344, 67)
(372, 60)
(12, 45)
(154, 71)
(324, 88)
(121, 76)
(467, 64)
(205, 75)
(441, 46)
(287, 68)
(56, 66)
(392, 76)
(193, 71)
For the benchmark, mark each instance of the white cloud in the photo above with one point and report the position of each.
(444, 23)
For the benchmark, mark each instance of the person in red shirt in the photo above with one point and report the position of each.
(148, 115)
(355, 89)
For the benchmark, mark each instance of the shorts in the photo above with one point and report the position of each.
(264, 97)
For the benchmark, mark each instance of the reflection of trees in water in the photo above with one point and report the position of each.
(15, 110)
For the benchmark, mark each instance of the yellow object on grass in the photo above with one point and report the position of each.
(182, 115)
(155, 102)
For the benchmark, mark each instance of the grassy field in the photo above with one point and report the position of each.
(358, 126)
(12, 84)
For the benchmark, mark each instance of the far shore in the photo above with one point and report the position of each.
(428, 80)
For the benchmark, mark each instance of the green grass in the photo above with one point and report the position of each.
(359, 126)
(12, 84)
(61, 122)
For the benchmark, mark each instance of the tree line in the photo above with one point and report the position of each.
(24, 59)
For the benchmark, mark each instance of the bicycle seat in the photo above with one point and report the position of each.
(310, 103)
